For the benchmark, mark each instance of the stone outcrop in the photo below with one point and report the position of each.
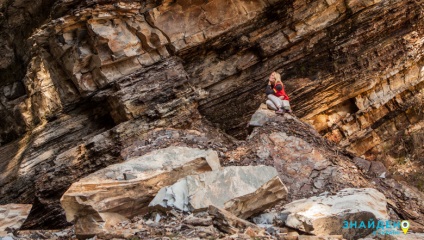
(324, 215)
(305, 166)
(263, 198)
(12, 216)
(238, 184)
(402, 200)
(123, 190)
(310, 165)
(261, 116)
(86, 138)
(87, 84)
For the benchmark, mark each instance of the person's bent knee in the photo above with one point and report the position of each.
(271, 105)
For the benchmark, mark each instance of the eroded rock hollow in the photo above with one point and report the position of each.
(86, 84)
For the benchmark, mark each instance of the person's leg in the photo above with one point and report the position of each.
(271, 105)
(286, 105)
(278, 103)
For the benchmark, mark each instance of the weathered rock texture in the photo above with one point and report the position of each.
(84, 84)
(122, 191)
(261, 116)
(197, 192)
(310, 165)
(12, 216)
(324, 215)
(264, 197)
(227, 222)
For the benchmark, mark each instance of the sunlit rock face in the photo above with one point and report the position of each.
(85, 84)
(324, 215)
(310, 165)
(121, 191)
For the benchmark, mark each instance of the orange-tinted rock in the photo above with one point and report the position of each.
(353, 69)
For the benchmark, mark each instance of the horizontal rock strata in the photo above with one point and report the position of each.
(86, 84)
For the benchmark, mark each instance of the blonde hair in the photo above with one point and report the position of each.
(277, 77)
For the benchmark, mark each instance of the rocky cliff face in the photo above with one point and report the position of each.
(85, 84)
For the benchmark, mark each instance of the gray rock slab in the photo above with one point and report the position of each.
(265, 218)
(263, 198)
(197, 192)
(362, 164)
(324, 215)
(378, 169)
(261, 116)
(121, 191)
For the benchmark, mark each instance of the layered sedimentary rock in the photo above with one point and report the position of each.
(196, 192)
(264, 197)
(310, 165)
(12, 216)
(85, 84)
(121, 191)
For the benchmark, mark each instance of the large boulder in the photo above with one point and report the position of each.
(197, 192)
(326, 215)
(264, 197)
(12, 216)
(124, 190)
(261, 116)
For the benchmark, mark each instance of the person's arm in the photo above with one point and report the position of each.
(285, 96)
(270, 86)
(269, 90)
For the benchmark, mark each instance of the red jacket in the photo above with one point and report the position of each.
(281, 93)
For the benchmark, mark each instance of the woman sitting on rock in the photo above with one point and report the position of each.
(278, 99)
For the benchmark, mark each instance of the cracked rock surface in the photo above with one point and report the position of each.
(88, 84)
